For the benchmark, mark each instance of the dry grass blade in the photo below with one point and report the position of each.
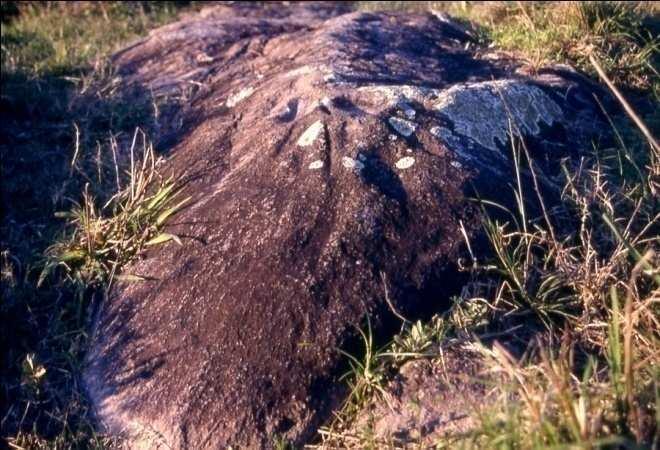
(653, 142)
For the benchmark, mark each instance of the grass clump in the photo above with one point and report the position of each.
(103, 241)
(581, 394)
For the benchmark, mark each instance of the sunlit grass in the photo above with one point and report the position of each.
(554, 286)
(59, 37)
(102, 240)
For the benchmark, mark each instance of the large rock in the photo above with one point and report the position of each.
(328, 156)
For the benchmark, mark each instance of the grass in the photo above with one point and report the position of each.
(67, 130)
(623, 35)
(59, 38)
(101, 242)
(575, 288)
(586, 374)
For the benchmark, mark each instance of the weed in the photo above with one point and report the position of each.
(366, 376)
(101, 242)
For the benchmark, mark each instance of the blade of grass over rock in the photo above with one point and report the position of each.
(653, 142)
(100, 241)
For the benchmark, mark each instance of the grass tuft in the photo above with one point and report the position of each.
(102, 241)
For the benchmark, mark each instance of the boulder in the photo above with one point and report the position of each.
(329, 155)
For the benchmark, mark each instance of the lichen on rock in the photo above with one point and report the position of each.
(405, 163)
(481, 111)
(239, 96)
(402, 126)
(309, 136)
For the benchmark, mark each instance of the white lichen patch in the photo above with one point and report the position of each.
(403, 127)
(351, 163)
(314, 165)
(405, 163)
(326, 102)
(393, 95)
(302, 70)
(239, 96)
(310, 134)
(481, 111)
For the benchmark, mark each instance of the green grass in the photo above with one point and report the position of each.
(100, 242)
(60, 38)
(65, 125)
(623, 35)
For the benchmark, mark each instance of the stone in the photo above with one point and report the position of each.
(302, 202)
(431, 399)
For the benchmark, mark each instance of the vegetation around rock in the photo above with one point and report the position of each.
(559, 315)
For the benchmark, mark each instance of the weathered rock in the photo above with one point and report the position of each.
(321, 151)
(430, 399)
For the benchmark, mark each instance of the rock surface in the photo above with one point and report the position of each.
(325, 151)
(429, 399)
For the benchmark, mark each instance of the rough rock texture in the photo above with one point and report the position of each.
(321, 149)
(429, 399)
